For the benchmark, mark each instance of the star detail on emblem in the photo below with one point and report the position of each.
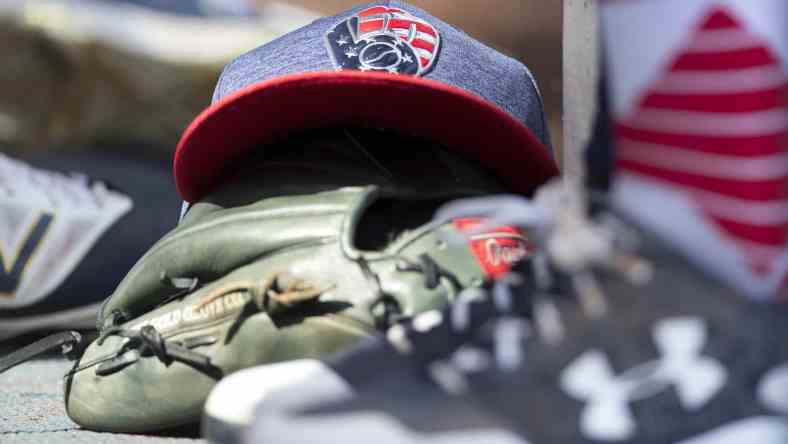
(342, 41)
(353, 52)
(407, 58)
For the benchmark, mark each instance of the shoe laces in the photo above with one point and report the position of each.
(19, 180)
(571, 246)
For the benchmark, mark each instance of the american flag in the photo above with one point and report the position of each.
(421, 35)
(715, 126)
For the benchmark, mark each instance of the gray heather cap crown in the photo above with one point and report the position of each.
(461, 61)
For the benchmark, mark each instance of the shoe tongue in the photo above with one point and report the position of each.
(702, 149)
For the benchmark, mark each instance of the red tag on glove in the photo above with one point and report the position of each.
(498, 249)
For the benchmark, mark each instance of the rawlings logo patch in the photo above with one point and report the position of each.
(496, 250)
(386, 40)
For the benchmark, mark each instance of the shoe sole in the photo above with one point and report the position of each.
(78, 318)
(216, 431)
(230, 408)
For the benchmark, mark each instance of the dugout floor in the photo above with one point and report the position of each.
(32, 409)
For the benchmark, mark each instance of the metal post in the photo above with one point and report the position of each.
(580, 79)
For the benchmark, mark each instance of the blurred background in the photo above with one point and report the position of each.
(131, 74)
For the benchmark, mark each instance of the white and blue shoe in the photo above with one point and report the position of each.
(66, 239)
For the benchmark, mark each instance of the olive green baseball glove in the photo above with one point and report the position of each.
(256, 274)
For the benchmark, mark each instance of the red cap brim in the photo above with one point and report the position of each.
(271, 109)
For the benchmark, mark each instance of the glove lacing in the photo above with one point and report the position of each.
(391, 311)
(148, 341)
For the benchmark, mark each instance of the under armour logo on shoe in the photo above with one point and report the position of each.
(607, 415)
(773, 389)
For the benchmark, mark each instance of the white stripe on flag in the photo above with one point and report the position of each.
(755, 168)
(411, 18)
(417, 36)
(756, 123)
(739, 210)
(728, 82)
(744, 211)
(423, 53)
(724, 40)
(426, 37)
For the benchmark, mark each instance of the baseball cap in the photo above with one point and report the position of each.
(385, 64)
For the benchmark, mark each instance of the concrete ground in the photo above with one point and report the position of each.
(32, 408)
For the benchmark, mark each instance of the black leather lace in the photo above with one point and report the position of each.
(147, 341)
(391, 312)
(431, 270)
(68, 341)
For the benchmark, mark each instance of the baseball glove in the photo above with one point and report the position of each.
(264, 270)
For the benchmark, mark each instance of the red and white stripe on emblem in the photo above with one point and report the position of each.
(420, 34)
(715, 125)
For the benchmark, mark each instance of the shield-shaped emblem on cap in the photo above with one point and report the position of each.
(384, 39)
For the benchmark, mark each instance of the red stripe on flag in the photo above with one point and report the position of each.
(423, 44)
(371, 26)
(741, 102)
(716, 61)
(770, 235)
(745, 146)
(760, 191)
(761, 267)
(720, 20)
(424, 62)
(375, 10)
(406, 24)
(785, 92)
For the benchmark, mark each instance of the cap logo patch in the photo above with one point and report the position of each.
(384, 39)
